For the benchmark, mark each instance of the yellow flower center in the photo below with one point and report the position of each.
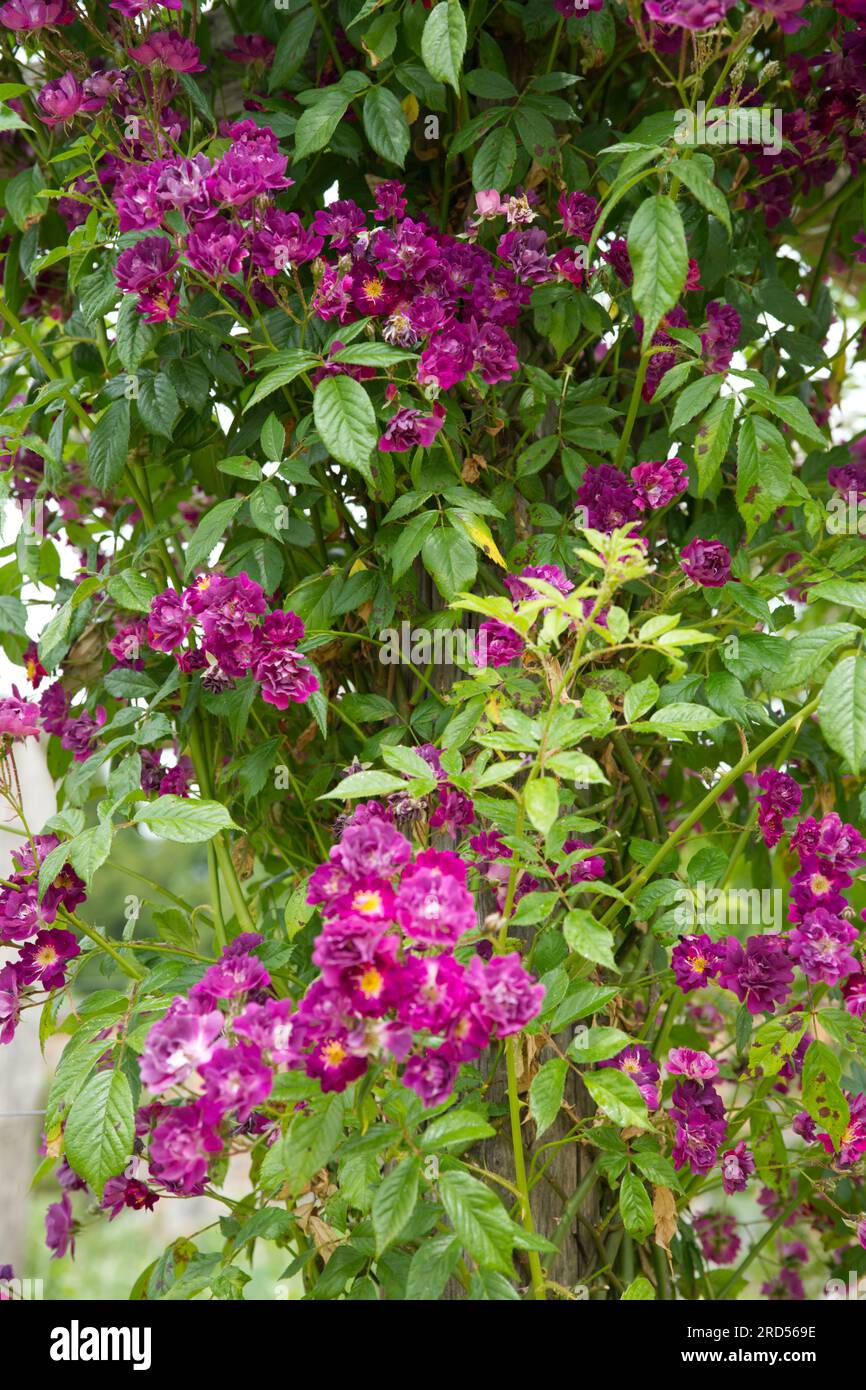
(371, 982)
(368, 902)
(333, 1053)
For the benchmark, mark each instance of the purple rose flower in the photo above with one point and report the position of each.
(697, 1066)
(180, 1042)
(579, 214)
(608, 497)
(146, 264)
(737, 1165)
(409, 429)
(181, 1146)
(779, 798)
(497, 644)
(508, 996)
(168, 49)
(717, 1233)
(657, 484)
(706, 562)
(695, 960)
(60, 1227)
(688, 14)
(721, 336)
(61, 99)
(759, 973)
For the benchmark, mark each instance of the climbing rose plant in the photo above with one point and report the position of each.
(335, 336)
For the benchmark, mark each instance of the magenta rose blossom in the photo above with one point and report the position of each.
(759, 973)
(168, 49)
(706, 562)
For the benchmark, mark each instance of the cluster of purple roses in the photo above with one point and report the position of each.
(760, 971)
(388, 969)
(234, 633)
(26, 923)
(389, 984)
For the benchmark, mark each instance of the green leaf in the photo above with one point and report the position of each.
(774, 1042)
(394, 1202)
(792, 411)
(450, 558)
(480, 1221)
(183, 819)
(209, 532)
(639, 699)
(21, 199)
(694, 399)
(639, 1290)
(712, 440)
(98, 293)
(309, 1144)
(132, 590)
(366, 784)
(386, 126)
(700, 185)
(588, 938)
(492, 165)
(823, 1097)
(100, 1130)
(635, 1206)
(293, 362)
(157, 403)
(292, 48)
(657, 249)
(455, 1129)
(617, 1095)
(764, 472)
(443, 42)
(109, 446)
(842, 711)
(846, 592)
(134, 336)
(541, 799)
(683, 715)
(545, 1093)
(346, 422)
(432, 1265)
(89, 850)
(319, 121)
(597, 1044)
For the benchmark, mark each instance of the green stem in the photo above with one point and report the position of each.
(633, 407)
(105, 945)
(520, 1165)
(214, 883)
(649, 810)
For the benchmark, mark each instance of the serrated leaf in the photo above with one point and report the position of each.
(545, 1093)
(346, 422)
(443, 42)
(394, 1202)
(109, 446)
(183, 818)
(385, 125)
(657, 249)
(842, 711)
(100, 1129)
